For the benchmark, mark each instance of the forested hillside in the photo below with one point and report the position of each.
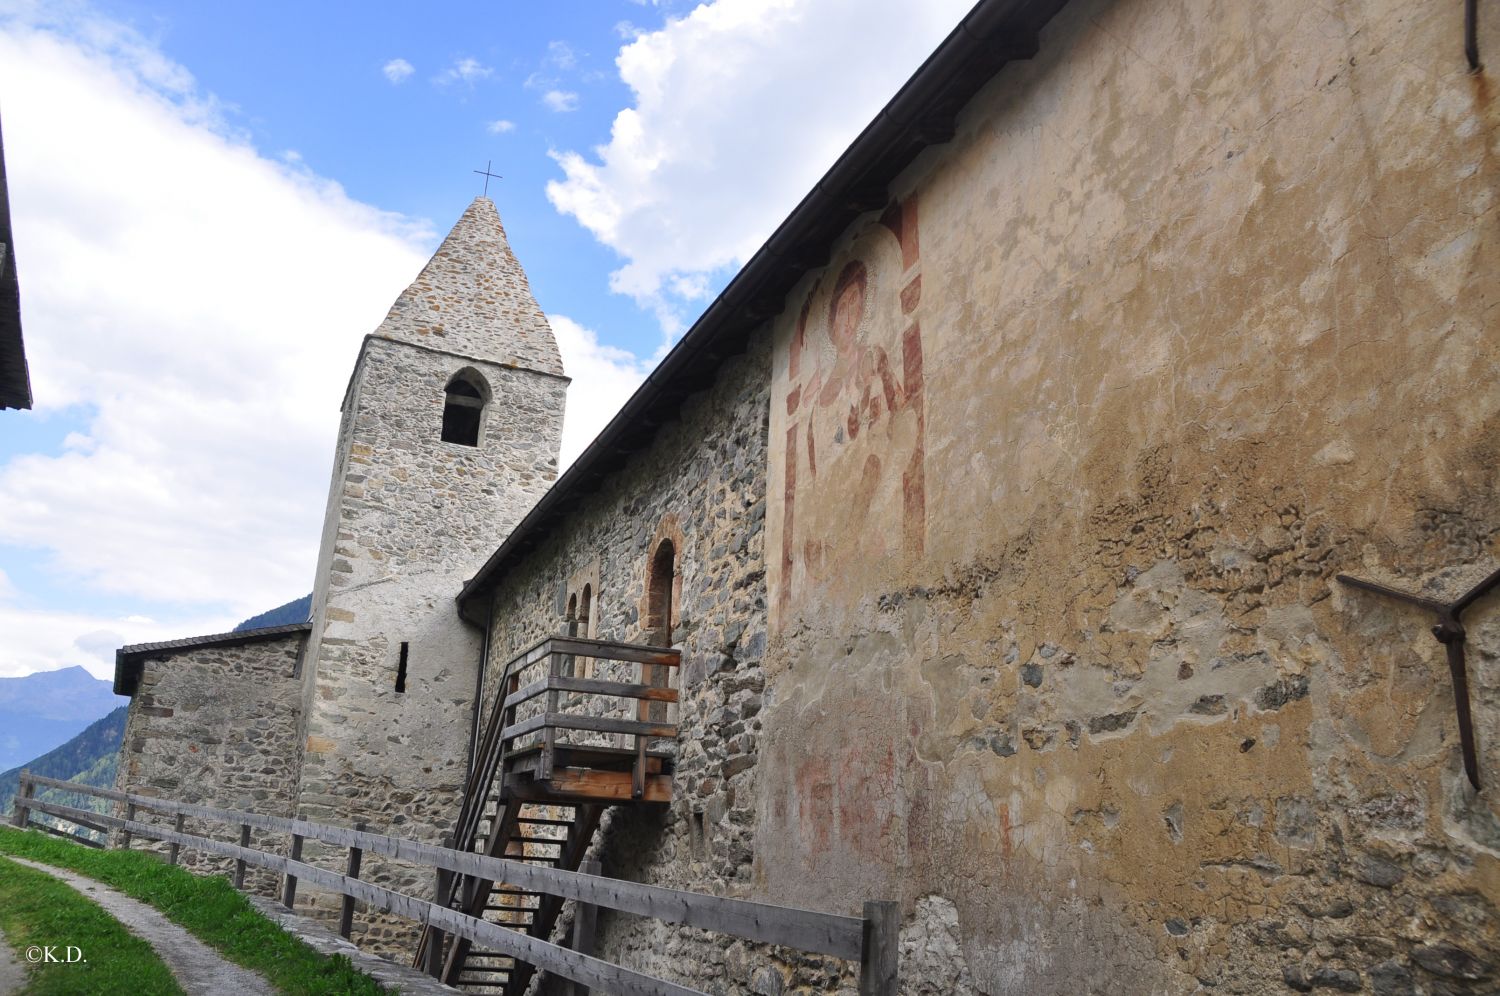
(295, 611)
(90, 758)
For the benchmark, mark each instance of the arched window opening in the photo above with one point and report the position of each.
(659, 619)
(585, 665)
(463, 410)
(659, 623)
(570, 628)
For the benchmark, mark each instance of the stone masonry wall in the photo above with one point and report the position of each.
(701, 483)
(413, 518)
(1200, 314)
(1065, 450)
(217, 726)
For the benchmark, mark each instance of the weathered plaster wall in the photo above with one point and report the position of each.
(217, 726)
(1196, 311)
(412, 517)
(702, 484)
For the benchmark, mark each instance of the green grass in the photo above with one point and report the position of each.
(207, 907)
(37, 909)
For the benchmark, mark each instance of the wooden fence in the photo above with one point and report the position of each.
(871, 939)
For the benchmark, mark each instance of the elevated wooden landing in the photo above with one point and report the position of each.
(559, 747)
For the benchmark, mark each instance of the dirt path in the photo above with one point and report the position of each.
(12, 972)
(197, 967)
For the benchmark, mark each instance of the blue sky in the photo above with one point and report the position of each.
(307, 77)
(214, 203)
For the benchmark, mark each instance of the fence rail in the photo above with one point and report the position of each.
(871, 939)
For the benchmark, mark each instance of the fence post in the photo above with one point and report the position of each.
(289, 885)
(239, 863)
(25, 789)
(346, 914)
(585, 924)
(125, 834)
(881, 948)
(173, 847)
(435, 935)
(549, 732)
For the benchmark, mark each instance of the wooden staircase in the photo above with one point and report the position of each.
(538, 787)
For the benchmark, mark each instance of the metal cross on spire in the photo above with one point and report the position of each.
(487, 174)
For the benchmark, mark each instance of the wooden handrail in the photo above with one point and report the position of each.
(592, 686)
(593, 724)
(589, 971)
(805, 930)
(582, 646)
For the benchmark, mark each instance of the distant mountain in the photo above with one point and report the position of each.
(40, 711)
(90, 758)
(296, 611)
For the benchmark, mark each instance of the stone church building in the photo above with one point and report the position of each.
(995, 513)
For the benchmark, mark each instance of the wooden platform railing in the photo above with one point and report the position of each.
(871, 939)
(560, 655)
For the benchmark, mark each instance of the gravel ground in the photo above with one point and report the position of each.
(12, 972)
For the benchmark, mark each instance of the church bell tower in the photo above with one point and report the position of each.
(450, 433)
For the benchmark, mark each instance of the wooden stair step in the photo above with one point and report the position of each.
(544, 821)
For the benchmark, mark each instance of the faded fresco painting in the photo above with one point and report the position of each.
(854, 495)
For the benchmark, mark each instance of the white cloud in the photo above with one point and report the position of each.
(604, 378)
(561, 55)
(203, 307)
(465, 70)
(757, 97)
(44, 640)
(100, 644)
(561, 101)
(397, 70)
(500, 127)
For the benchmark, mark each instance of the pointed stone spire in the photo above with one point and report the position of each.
(472, 298)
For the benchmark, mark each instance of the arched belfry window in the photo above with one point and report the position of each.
(463, 409)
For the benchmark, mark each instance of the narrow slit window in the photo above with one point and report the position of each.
(463, 409)
(401, 668)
